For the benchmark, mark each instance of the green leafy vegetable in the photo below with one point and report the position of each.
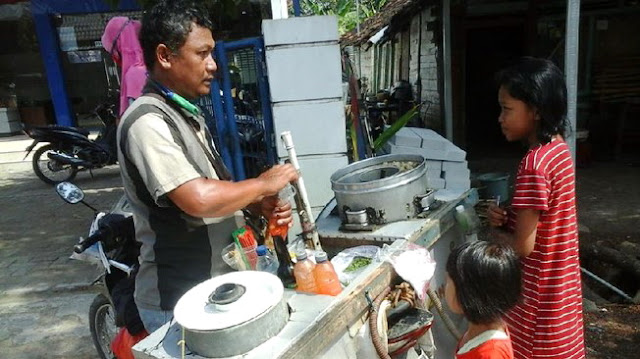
(357, 263)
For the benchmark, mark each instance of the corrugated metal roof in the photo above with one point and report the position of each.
(393, 10)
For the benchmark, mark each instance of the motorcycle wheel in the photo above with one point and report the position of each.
(102, 322)
(50, 171)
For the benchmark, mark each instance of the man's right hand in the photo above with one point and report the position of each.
(277, 177)
(497, 216)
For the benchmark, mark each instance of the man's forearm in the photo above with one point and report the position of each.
(204, 197)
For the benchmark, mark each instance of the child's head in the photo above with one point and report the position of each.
(483, 281)
(533, 99)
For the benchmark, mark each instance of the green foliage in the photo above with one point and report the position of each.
(345, 10)
(395, 127)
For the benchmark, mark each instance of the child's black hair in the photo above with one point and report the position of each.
(487, 278)
(540, 84)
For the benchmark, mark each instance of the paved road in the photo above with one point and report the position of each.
(45, 296)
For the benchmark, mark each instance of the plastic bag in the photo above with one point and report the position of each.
(352, 261)
(124, 341)
(413, 263)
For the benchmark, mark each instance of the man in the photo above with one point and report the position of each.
(185, 206)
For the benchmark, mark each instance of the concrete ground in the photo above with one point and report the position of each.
(45, 297)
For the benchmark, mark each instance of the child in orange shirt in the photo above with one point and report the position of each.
(483, 283)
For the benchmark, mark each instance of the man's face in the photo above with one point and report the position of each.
(193, 67)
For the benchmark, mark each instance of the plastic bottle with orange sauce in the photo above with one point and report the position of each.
(303, 272)
(327, 281)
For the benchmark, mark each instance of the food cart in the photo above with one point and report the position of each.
(327, 327)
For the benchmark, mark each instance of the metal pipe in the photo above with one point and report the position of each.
(309, 231)
(263, 88)
(221, 124)
(571, 69)
(446, 60)
(296, 7)
(607, 284)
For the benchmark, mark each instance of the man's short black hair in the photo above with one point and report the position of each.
(487, 277)
(540, 84)
(169, 22)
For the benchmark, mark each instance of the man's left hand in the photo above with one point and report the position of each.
(274, 207)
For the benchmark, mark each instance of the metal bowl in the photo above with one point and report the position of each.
(384, 186)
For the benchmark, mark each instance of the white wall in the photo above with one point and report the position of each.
(305, 83)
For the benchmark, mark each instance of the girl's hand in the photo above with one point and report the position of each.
(497, 216)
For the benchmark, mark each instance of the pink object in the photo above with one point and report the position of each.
(120, 39)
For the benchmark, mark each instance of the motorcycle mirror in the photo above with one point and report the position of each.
(70, 192)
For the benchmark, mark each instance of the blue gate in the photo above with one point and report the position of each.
(238, 111)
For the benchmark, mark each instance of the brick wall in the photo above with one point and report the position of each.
(428, 64)
(427, 61)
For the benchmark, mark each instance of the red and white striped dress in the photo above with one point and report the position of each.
(548, 321)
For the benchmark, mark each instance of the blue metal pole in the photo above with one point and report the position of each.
(241, 44)
(265, 102)
(49, 51)
(221, 126)
(238, 165)
(41, 11)
(296, 7)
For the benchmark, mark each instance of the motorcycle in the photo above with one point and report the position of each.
(111, 245)
(70, 149)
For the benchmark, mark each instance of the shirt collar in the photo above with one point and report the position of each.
(149, 87)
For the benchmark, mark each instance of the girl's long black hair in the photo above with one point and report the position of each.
(540, 84)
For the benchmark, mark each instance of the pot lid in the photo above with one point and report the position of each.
(228, 300)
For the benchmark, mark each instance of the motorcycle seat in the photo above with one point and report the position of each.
(79, 130)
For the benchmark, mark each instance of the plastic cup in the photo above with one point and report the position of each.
(252, 256)
(230, 255)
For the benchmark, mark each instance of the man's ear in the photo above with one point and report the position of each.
(163, 55)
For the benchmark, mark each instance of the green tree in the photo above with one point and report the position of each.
(346, 11)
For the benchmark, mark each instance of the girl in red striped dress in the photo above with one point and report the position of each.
(541, 222)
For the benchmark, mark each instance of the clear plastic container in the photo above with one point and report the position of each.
(325, 275)
(303, 272)
(266, 262)
(467, 220)
(251, 256)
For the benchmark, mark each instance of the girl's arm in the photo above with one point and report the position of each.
(523, 238)
(524, 234)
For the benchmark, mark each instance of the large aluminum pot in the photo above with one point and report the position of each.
(233, 313)
(384, 187)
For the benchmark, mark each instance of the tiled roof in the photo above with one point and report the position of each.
(394, 9)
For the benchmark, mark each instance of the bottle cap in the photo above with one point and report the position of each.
(460, 209)
(321, 256)
(301, 254)
(261, 250)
